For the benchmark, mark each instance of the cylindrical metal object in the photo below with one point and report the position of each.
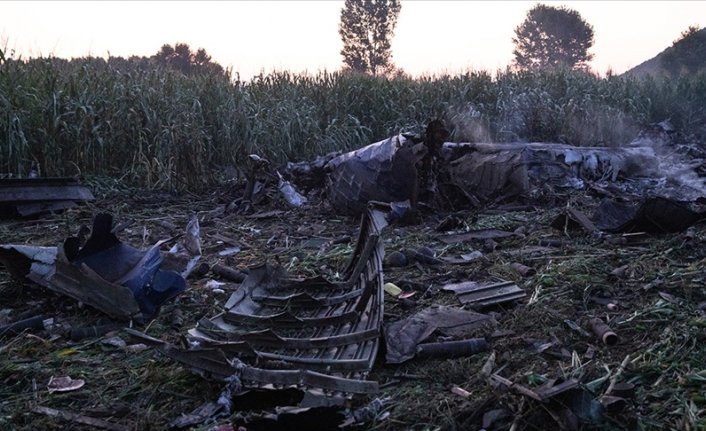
(229, 273)
(77, 334)
(604, 332)
(36, 322)
(452, 349)
(550, 242)
(523, 270)
(623, 390)
(177, 319)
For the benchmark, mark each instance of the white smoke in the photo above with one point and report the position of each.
(677, 177)
(469, 124)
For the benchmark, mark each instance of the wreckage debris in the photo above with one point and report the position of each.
(654, 215)
(489, 172)
(523, 270)
(26, 197)
(384, 171)
(449, 223)
(121, 264)
(506, 176)
(477, 235)
(113, 277)
(401, 168)
(396, 259)
(64, 384)
(473, 294)
(291, 195)
(80, 419)
(229, 273)
(308, 333)
(279, 332)
(452, 349)
(603, 332)
(198, 416)
(404, 337)
(36, 322)
(424, 255)
(567, 403)
(78, 334)
(571, 219)
(408, 256)
(177, 319)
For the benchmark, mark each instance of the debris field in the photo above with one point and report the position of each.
(551, 296)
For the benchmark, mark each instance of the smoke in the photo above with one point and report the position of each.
(597, 124)
(469, 124)
(677, 177)
(534, 115)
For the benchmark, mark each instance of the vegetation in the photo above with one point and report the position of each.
(552, 37)
(159, 128)
(687, 54)
(182, 58)
(366, 30)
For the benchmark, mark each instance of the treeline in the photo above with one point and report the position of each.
(157, 127)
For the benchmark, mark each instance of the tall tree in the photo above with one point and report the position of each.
(552, 37)
(366, 28)
(182, 58)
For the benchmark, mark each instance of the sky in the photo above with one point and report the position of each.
(250, 37)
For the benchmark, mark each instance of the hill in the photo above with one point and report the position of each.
(687, 55)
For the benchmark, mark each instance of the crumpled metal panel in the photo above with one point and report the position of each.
(654, 215)
(113, 277)
(384, 171)
(474, 294)
(501, 172)
(278, 332)
(42, 266)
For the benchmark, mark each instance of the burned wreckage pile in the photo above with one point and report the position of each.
(324, 335)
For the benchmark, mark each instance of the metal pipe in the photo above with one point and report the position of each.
(452, 349)
(604, 332)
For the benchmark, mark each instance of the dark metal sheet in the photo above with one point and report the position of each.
(654, 215)
(573, 218)
(472, 293)
(31, 196)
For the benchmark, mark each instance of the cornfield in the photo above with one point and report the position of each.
(157, 128)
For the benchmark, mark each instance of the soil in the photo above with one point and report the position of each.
(649, 291)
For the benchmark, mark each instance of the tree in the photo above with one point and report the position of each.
(688, 53)
(552, 37)
(366, 29)
(180, 57)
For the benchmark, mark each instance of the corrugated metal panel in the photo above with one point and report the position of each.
(277, 331)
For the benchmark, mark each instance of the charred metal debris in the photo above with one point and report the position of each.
(27, 197)
(648, 175)
(277, 332)
(101, 271)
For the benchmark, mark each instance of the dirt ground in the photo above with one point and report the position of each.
(650, 290)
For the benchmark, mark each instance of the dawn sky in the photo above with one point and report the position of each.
(253, 36)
